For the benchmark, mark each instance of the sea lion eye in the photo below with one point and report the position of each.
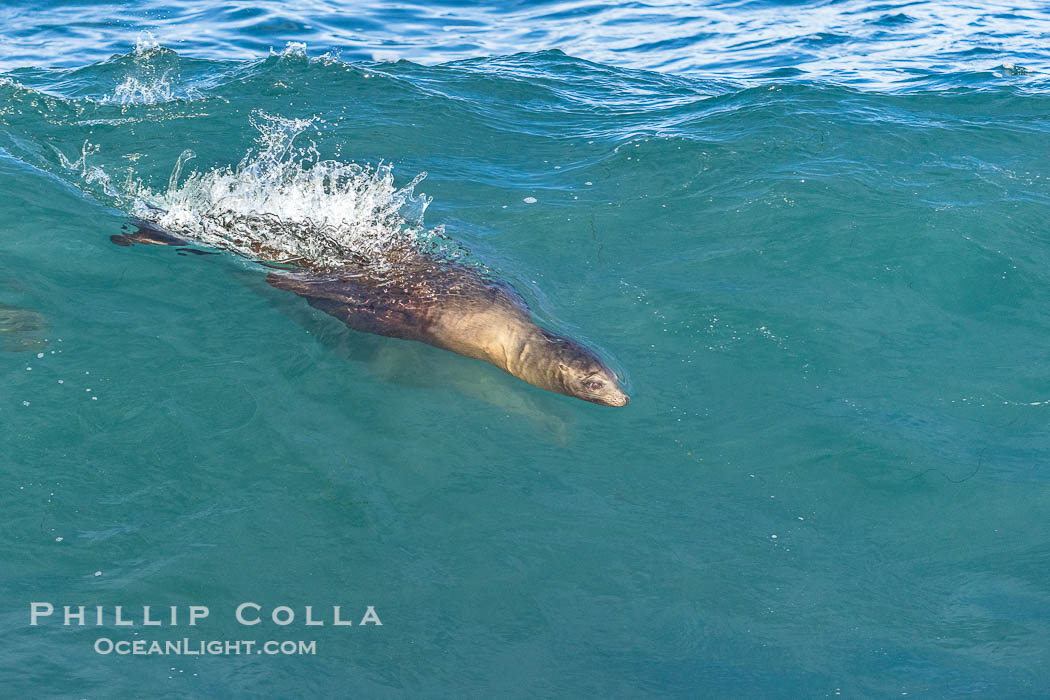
(593, 386)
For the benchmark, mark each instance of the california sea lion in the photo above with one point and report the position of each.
(445, 305)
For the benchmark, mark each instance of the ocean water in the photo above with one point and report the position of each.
(811, 236)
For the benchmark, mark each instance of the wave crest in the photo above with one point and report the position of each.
(153, 75)
(283, 202)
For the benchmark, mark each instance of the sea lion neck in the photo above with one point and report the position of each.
(527, 349)
(507, 342)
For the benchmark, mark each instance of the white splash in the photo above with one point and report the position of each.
(293, 49)
(91, 174)
(153, 75)
(148, 92)
(283, 202)
(145, 43)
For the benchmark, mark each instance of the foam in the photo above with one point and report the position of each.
(284, 199)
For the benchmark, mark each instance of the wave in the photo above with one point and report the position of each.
(153, 74)
(284, 202)
(293, 193)
(152, 78)
(852, 41)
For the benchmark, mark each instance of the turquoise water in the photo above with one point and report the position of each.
(811, 236)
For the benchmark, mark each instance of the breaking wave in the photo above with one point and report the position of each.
(284, 203)
(152, 75)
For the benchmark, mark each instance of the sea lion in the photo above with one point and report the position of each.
(443, 304)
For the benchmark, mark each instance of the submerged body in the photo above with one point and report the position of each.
(448, 306)
(20, 329)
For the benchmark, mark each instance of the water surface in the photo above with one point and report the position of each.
(812, 236)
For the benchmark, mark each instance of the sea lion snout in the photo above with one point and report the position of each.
(612, 396)
(618, 400)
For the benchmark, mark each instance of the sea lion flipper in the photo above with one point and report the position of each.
(147, 233)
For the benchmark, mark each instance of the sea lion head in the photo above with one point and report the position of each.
(580, 373)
